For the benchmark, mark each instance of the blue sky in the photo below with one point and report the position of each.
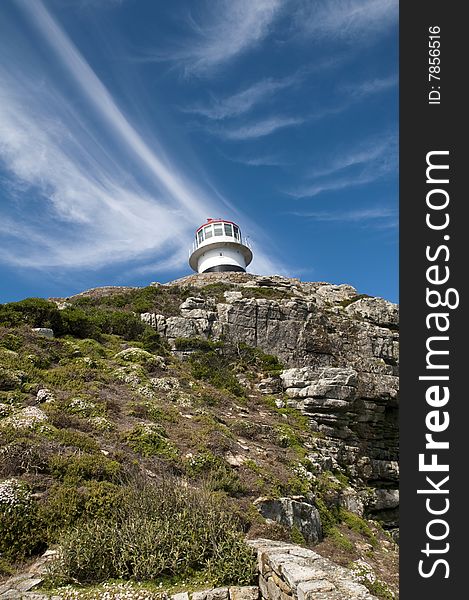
(124, 124)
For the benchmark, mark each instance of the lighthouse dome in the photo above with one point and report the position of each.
(219, 246)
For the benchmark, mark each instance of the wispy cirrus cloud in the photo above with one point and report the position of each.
(381, 149)
(236, 105)
(350, 20)
(243, 101)
(224, 30)
(82, 214)
(370, 161)
(372, 86)
(258, 129)
(259, 161)
(380, 217)
(314, 189)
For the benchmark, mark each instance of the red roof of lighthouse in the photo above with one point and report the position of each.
(210, 221)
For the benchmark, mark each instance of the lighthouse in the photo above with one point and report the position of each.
(219, 246)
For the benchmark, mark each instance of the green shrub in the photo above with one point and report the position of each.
(214, 367)
(379, 589)
(149, 411)
(165, 300)
(11, 379)
(286, 437)
(24, 453)
(247, 356)
(66, 505)
(329, 516)
(126, 325)
(76, 439)
(79, 467)
(150, 440)
(152, 342)
(62, 508)
(78, 323)
(216, 290)
(340, 540)
(9, 340)
(84, 319)
(102, 498)
(296, 486)
(218, 475)
(35, 312)
(21, 532)
(347, 301)
(159, 530)
(296, 536)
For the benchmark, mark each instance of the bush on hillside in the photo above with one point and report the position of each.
(159, 530)
(215, 368)
(35, 312)
(81, 320)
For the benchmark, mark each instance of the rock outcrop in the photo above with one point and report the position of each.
(293, 513)
(341, 353)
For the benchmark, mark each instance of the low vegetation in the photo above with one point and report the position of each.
(154, 531)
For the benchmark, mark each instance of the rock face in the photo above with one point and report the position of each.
(341, 353)
(293, 512)
(44, 331)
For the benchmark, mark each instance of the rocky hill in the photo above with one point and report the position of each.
(267, 401)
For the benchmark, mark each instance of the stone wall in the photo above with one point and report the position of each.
(289, 572)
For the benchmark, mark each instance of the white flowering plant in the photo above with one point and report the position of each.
(19, 521)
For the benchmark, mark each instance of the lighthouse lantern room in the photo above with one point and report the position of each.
(219, 246)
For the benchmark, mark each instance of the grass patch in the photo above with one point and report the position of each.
(268, 293)
(348, 301)
(340, 540)
(358, 524)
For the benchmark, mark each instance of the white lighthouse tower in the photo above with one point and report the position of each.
(219, 246)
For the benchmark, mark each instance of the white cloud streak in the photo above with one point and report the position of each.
(370, 87)
(234, 106)
(377, 216)
(309, 191)
(101, 100)
(371, 161)
(258, 129)
(244, 100)
(227, 29)
(82, 216)
(259, 161)
(351, 20)
(383, 149)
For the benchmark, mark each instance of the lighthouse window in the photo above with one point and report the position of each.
(208, 232)
(200, 236)
(236, 231)
(228, 230)
(218, 229)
